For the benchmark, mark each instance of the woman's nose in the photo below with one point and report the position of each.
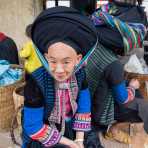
(59, 68)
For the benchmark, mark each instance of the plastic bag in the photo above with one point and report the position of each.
(134, 65)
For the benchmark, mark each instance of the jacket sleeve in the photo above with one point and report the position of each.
(33, 119)
(115, 78)
(82, 119)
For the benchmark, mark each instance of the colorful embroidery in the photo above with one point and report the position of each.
(47, 135)
(131, 94)
(82, 122)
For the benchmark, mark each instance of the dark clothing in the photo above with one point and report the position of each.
(135, 111)
(111, 76)
(146, 49)
(8, 51)
(110, 37)
(104, 72)
(90, 140)
(63, 24)
(97, 63)
(69, 133)
(38, 91)
(87, 7)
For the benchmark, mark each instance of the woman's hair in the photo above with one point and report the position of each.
(28, 30)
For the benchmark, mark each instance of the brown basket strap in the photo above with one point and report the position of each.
(13, 138)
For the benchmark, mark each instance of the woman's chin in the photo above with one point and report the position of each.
(60, 79)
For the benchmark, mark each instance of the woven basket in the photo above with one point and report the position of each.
(18, 101)
(6, 102)
(142, 79)
(18, 104)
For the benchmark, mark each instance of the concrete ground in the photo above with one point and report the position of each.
(136, 131)
(5, 139)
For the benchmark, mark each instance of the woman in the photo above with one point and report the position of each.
(57, 100)
(120, 28)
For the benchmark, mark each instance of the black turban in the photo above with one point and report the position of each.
(63, 24)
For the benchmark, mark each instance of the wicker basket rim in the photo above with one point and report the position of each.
(146, 75)
(19, 88)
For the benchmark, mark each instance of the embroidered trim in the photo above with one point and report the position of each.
(40, 133)
(47, 136)
(131, 94)
(82, 122)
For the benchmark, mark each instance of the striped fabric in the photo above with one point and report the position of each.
(67, 90)
(107, 116)
(132, 33)
(46, 84)
(82, 122)
(97, 62)
(47, 136)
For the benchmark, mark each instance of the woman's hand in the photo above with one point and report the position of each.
(80, 144)
(79, 139)
(134, 83)
(75, 145)
(69, 143)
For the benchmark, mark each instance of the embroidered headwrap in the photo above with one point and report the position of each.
(63, 24)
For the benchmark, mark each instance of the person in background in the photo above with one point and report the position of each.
(57, 99)
(8, 49)
(86, 7)
(120, 27)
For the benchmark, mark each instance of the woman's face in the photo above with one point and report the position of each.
(62, 59)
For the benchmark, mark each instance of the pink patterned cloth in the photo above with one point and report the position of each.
(65, 102)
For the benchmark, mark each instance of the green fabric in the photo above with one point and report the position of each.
(98, 61)
(108, 112)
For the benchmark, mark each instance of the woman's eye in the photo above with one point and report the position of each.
(67, 62)
(53, 62)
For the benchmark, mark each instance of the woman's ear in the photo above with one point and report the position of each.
(79, 57)
(45, 55)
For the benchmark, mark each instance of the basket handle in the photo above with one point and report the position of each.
(13, 138)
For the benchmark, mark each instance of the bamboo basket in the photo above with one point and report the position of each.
(18, 101)
(6, 102)
(142, 79)
(18, 98)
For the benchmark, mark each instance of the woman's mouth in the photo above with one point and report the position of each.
(60, 76)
